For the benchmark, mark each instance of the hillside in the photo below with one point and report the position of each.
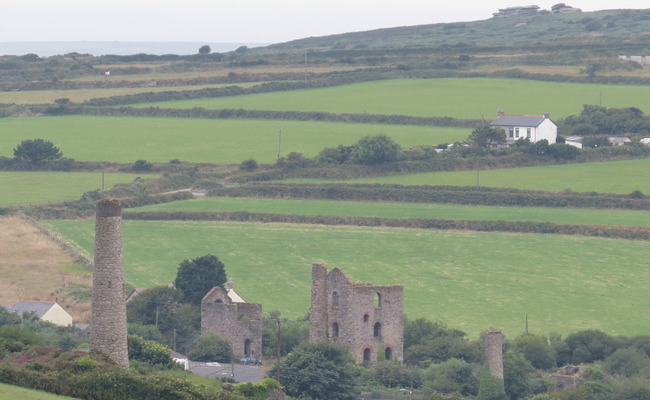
(624, 28)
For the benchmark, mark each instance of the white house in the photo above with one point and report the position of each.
(533, 127)
(49, 311)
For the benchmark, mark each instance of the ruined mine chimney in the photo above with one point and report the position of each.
(493, 347)
(108, 317)
(318, 319)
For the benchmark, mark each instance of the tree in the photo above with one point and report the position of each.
(210, 347)
(537, 350)
(205, 49)
(485, 137)
(490, 387)
(451, 376)
(151, 352)
(372, 150)
(319, 371)
(196, 277)
(37, 151)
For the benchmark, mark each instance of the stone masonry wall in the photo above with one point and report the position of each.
(365, 318)
(108, 315)
(494, 353)
(235, 322)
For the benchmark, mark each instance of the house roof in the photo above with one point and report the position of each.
(235, 297)
(518, 120)
(39, 308)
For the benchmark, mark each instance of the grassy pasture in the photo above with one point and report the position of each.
(468, 280)
(127, 139)
(16, 392)
(472, 98)
(409, 210)
(603, 177)
(43, 187)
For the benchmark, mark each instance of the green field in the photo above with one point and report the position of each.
(472, 98)
(604, 177)
(22, 188)
(409, 210)
(127, 139)
(472, 281)
(15, 392)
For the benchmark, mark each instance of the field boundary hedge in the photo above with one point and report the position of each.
(467, 195)
(630, 233)
(199, 112)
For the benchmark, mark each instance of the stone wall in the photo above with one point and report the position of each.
(493, 347)
(238, 323)
(365, 318)
(108, 315)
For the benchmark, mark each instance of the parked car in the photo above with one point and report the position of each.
(250, 360)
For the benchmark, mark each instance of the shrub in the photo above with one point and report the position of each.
(141, 165)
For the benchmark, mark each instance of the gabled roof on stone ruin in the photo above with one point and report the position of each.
(216, 295)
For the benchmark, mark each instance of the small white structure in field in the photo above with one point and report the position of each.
(532, 127)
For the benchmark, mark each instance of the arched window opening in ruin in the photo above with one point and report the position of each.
(366, 356)
(378, 300)
(388, 352)
(335, 330)
(335, 299)
(247, 348)
(377, 329)
(365, 317)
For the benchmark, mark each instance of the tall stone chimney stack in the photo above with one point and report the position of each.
(108, 316)
(318, 318)
(494, 353)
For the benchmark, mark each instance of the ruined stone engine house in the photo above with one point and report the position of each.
(367, 319)
(238, 322)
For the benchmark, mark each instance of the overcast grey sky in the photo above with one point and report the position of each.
(260, 21)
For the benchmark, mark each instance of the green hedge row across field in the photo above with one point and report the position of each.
(635, 233)
(437, 194)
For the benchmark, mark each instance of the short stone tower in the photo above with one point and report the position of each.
(367, 319)
(238, 322)
(493, 347)
(108, 317)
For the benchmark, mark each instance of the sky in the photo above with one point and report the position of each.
(242, 21)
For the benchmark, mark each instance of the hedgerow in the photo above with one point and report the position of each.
(467, 195)
(635, 233)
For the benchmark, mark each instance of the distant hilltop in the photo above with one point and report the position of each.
(520, 11)
(47, 49)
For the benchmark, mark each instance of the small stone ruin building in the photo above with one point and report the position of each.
(367, 319)
(236, 321)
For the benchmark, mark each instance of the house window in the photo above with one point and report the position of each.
(377, 329)
(378, 300)
(528, 133)
(516, 132)
(335, 300)
(366, 355)
(365, 317)
(388, 352)
(511, 132)
(335, 330)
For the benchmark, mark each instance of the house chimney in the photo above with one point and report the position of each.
(500, 113)
(230, 284)
(546, 115)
